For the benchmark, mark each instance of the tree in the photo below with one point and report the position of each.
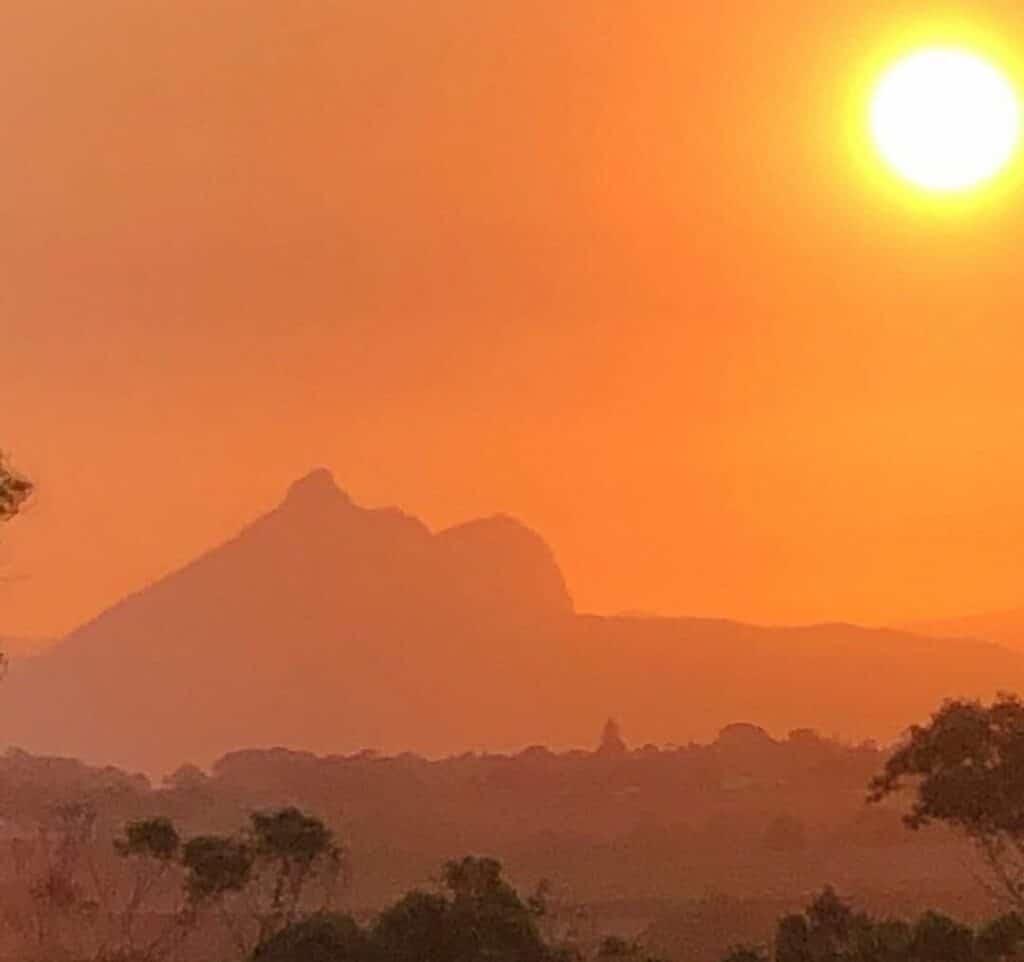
(477, 916)
(937, 936)
(324, 937)
(259, 880)
(745, 953)
(967, 770)
(616, 949)
(215, 867)
(64, 907)
(1002, 938)
(890, 940)
(793, 940)
(829, 930)
(612, 743)
(14, 491)
(153, 847)
(487, 917)
(155, 838)
(831, 920)
(290, 849)
(187, 778)
(417, 927)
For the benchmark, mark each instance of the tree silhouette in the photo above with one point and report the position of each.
(14, 490)
(967, 770)
(613, 948)
(290, 849)
(480, 916)
(745, 953)
(828, 930)
(324, 937)
(612, 742)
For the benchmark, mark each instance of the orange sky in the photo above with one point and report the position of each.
(608, 267)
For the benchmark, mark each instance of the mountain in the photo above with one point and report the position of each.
(321, 624)
(330, 627)
(15, 646)
(1003, 627)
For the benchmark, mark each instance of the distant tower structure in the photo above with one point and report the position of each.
(612, 742)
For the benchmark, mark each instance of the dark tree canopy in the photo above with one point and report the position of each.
(480, 916)
(746, 953)
(612, 742)
(14, 491)
(324, 937)
(258, 882)
(290, 836)
(613, 948)
(966, 768)
(214, 866)
(155, 838)
(829, 930)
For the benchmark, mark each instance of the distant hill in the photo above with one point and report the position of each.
(1004, 627)
(330, 627)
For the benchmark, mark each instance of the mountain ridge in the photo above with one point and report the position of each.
(329, 627)
(1004, 627)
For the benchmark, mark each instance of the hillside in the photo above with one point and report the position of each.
(1003, 627)
(330, 627)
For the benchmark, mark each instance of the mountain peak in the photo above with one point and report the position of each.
(317, 487)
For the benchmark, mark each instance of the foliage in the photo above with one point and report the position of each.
(418, 926)
(967, 769)
(479, 916)
(323, 937)
(616, 949)
(612, 742)
(1001, 937)
(288, 850)
(476, 916)
(745, 953)
(829, 930)
(215, 866)
(141, 895)
(289, 837)
(937, 937)
(155, 838)
(14, 491)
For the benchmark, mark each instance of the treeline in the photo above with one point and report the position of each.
(156, 895)
(830, 930)
(614, 822)
(270, 892)
(476, 916)
(964, 769)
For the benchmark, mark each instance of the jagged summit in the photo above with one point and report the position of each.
(327, 626)
(316, 487)
(321, 623)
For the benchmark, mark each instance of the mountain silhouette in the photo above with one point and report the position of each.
(1003, 627)
(327, 626)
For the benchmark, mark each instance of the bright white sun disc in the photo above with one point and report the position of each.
(945, 119)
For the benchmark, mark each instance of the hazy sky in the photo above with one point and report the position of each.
(609, 267)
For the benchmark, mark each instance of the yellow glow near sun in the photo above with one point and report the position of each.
(945, 119)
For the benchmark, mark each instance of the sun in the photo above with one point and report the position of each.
(945, 119)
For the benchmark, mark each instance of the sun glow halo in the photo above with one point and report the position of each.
(945, 119)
